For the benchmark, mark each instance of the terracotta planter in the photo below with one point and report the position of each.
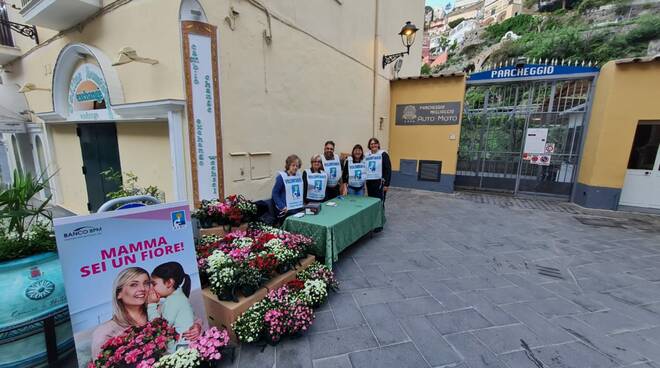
(220, 230)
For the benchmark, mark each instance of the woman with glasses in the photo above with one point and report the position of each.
(354, 172)
(379, 170)
(315, 181)
(287, 191)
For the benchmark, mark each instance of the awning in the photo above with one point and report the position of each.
(13, 110)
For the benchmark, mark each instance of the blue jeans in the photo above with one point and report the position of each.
(358, 192)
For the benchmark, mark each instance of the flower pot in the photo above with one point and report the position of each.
(283, 268)
(227, 296)
(248, 290)
(33, 290)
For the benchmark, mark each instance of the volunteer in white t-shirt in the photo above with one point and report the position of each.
(288, 189)
(332, 167)
(354, 172)
(379, 170)
(315, 181)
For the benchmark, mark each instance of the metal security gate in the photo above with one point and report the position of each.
(496, 118)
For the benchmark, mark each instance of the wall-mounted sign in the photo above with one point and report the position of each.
(535, 140)
(203, 95)
(531, 71)
(438, 113)
(12, 127)
(88, 95)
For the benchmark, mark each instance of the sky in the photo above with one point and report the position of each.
(436, 3)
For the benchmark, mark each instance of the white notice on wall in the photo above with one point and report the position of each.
(201, 75)
(535, 140)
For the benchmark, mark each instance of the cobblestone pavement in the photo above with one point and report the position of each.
(463, 283)
(460, 283)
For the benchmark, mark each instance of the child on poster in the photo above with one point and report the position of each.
(168, 298)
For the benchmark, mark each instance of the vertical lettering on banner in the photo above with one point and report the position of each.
(203, 105)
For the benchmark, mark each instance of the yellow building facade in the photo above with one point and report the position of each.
(610, 118)
(625, 120)
(124, 88)
(434, 144)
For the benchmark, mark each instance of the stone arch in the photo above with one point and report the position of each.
(67, 62)
(192, 10)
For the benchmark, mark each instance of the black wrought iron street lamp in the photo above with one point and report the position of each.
(408, 38)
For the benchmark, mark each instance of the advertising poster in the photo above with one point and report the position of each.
(125, 268)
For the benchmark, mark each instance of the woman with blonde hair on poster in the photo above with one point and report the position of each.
(130, 292)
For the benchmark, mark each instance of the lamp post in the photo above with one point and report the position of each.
(407, 38)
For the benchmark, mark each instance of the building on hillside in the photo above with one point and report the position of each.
(465, 3)
(474, 10)
(200, 98)
(458, 33)
(496, 11)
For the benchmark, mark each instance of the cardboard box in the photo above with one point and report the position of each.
(223, 313)
(220, 231)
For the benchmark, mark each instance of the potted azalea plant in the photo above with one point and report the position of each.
(229, 212)
(29, 268)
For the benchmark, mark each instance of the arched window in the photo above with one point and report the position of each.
(41, 161)
(17, 156)
(192, 10)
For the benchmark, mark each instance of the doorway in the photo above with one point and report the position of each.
(100, 152)
(641, 187)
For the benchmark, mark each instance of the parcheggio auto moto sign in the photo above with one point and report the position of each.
(436, 113)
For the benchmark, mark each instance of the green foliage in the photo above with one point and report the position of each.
(426, 69)
(561, 40)
(529, 3)
(648, 28)
(39, 239)
(520, 25)
(455, 22)
(25, 222)
(17, 204)
(131, 187)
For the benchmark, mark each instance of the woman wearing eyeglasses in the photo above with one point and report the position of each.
(379, 170)
(354, 172)
(315, 181)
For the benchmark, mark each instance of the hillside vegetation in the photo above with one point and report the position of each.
(584, 32)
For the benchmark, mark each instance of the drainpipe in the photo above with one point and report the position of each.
(375, 69)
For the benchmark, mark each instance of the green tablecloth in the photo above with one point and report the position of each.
(335, 228)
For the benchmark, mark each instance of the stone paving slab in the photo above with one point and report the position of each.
(453, 281)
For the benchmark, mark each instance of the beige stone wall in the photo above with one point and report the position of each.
(320, 78)
(145, 151)
(70, 189)
(314, 82)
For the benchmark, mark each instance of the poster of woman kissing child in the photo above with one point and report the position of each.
(126, 269)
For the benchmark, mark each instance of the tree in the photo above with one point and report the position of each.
(426, 69)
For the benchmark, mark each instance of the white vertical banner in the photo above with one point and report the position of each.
(203, 107)
(202, 88)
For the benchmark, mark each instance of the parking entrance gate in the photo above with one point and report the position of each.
(501, 106)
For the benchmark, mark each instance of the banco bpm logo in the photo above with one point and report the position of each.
(83, 232)
(409, 113)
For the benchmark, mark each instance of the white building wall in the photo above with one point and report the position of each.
(314, 81)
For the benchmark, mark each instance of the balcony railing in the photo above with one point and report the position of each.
(58, 14)
(5, 35)
(5, 32)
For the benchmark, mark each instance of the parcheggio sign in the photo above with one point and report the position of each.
(530, 71)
